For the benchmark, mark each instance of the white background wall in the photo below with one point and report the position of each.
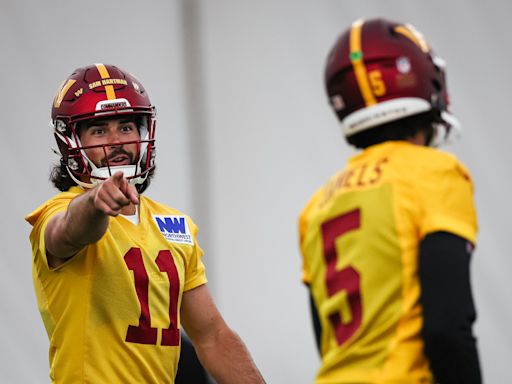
(244, 137)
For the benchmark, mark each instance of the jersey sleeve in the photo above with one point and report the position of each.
(303, 225)
(445, 190)
(195, 274)
(39, 220)
(302, 230)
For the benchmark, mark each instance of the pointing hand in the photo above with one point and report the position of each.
(113, 194)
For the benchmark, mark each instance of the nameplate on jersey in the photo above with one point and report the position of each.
(174, 228)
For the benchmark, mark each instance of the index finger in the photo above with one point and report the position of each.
(127, 189)
(131, 193)
(117, 178)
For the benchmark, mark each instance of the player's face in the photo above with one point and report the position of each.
(110, 135)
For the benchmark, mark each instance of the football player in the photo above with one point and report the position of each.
(386, 242)
(117, 274)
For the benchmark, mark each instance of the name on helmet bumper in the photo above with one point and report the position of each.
(112, 105)
(382, 113)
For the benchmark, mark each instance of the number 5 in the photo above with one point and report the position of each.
(346, 279)
(378, 85)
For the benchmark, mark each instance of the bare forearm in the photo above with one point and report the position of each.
(86, 219)
(220, 350)
(80, 225)
(228, 360)
(86, 223)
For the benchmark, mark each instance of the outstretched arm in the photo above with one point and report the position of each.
(86, 219)
(220, 350)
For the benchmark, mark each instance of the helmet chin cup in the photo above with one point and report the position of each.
(446, 131)
(98, 175)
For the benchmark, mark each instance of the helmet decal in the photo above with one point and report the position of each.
(105, 76)
(403, 65)
(414, 35)
(356, 57)
(62, 92)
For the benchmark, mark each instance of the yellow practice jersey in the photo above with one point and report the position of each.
(112, 312)
(359, 237)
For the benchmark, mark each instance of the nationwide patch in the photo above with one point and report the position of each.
(174, 228)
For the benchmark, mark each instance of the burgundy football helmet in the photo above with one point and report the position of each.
(99, 91)
(379, 71)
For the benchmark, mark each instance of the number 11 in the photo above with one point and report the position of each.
(144, 333)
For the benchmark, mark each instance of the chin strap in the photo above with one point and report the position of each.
(100, 174)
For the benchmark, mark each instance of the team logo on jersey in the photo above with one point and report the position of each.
(174, 229)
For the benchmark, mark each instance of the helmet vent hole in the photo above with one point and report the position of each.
(437, 85)
(392, 31)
